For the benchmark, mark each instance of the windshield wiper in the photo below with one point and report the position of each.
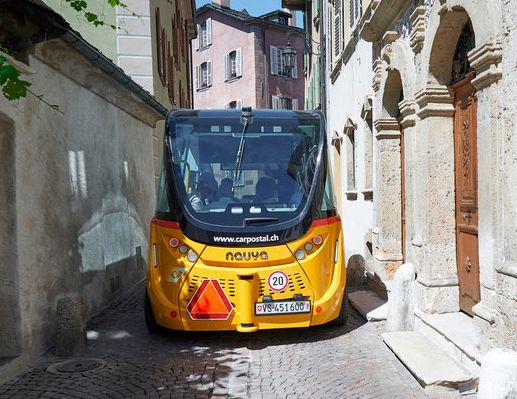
(246, 119)
(259, 220)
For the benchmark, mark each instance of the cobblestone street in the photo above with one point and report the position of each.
(323, 362)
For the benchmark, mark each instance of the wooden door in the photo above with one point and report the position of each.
(465, 156)
(402, 195)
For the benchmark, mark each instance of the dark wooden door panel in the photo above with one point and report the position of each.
(465, 159)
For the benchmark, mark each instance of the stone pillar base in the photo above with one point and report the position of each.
(441, 299)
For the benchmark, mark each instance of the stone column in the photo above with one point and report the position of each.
(492, 187)
(434, 242)
(386, 236)
(408, 122)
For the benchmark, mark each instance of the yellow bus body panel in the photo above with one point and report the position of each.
(172, 279)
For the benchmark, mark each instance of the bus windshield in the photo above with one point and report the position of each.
(229, 175)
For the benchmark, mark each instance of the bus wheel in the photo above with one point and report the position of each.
(150, 322)
(342, 318)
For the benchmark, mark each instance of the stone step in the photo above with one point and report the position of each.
(431, 366)
(370, 305)
(455, 334)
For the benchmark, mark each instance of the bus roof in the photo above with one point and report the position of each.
(236, 113)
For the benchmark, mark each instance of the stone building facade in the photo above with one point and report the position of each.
(129, 46)
(76, 186)
(237, 59)
(440, 107)
(172, 30)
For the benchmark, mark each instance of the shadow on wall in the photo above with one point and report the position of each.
(10, 327)
(112, 246)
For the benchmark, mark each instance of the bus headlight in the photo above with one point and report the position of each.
(192, 256)
(299, 254)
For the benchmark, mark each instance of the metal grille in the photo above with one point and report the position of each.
(228, 285)
(296, 284)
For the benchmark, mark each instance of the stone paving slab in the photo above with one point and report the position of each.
(369, 305)
(322, 362)
(429, 364)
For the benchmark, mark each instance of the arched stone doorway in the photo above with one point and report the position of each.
(449, 120)
(10, 345)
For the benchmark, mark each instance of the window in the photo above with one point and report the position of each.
(282, 19)
(233, 65)
(277, 63)
(204, 34)
(204, 75)
(280, 102)
(356, 9)
(236, 104)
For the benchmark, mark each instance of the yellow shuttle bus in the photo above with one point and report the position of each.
(246, 234)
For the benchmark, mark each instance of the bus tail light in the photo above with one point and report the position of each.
(300, 255)
(308, 246)
(317, 240)
(192, 256)
(174, 242)
(183, 249)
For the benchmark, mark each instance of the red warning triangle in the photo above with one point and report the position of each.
(209, 302)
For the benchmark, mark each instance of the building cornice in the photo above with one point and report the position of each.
(486, 60)
(387, 128)
(435, 100)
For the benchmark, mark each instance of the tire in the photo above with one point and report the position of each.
(150, 321)
(342, 318)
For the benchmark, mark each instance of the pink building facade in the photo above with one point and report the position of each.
(237, 60)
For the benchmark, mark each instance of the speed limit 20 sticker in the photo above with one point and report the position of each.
(278, 281)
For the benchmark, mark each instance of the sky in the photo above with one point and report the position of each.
(254, 7)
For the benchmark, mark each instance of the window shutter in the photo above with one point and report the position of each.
(209, 31)
(199, 33)
(295, 103)
(226, 67)
(198, 80)
(239, 104)
(273, 55)
(275, 102)
(295, 67)
(209, 73)
(337, 27)
(239, 62)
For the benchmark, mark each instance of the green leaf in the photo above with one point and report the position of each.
(78, 5)
(8, 72)
(15, 89)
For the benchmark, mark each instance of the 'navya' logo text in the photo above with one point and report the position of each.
(246, 255)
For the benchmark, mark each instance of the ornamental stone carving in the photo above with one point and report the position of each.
(486, 60)
(416, 39)
(435, 100)
(377, 74)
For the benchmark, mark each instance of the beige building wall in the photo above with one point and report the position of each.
(134, 53)
(76, 194)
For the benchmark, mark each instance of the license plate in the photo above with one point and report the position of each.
(282, 307)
